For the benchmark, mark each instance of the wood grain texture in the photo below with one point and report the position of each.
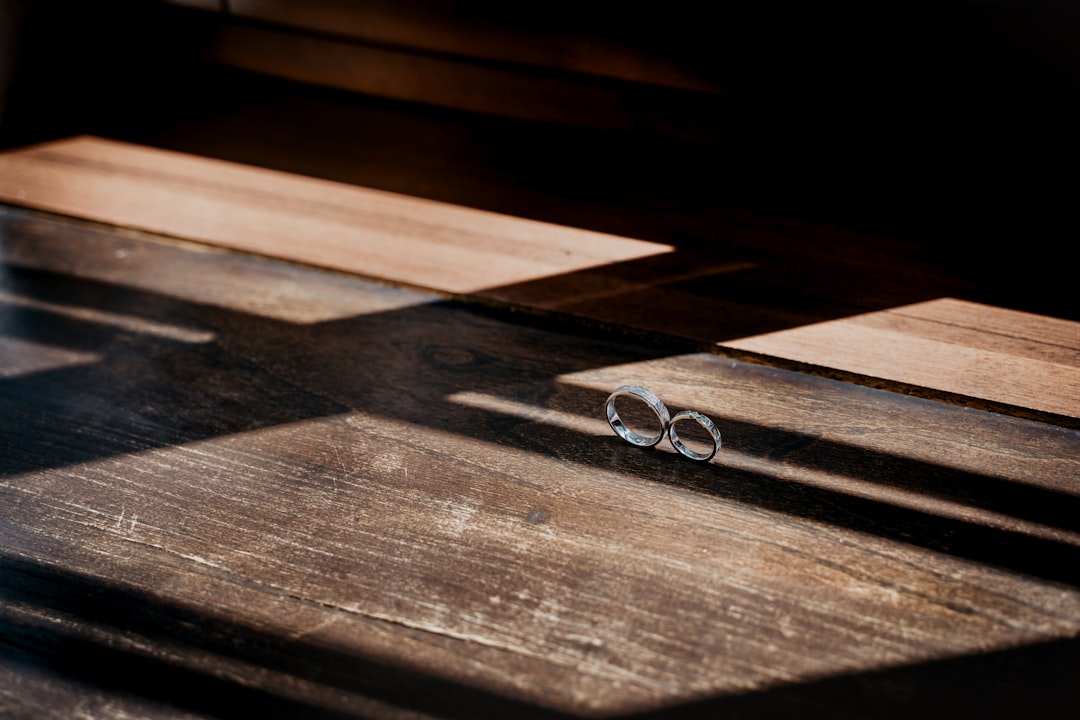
(744, 297)
(411, 507)
(406, 240)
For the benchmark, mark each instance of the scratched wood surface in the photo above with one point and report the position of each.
(233, 487)
(829, 299)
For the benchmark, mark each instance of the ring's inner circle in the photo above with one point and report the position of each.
(639, 418)
(693, 436)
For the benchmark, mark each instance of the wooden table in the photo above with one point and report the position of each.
(273, 445)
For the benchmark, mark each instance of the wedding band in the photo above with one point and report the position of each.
(649, 399)
(703, 421)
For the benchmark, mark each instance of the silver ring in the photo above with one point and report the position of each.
(703, 421)
(649, 399)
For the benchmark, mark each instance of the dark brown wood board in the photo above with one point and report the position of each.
(563, 37)
(233, 487)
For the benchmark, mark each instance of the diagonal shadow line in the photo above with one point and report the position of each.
(57, 426)
(75, 601)
(1010, 550)
(712, 295)
(53, 287)
(1011, 498)
(48, 328)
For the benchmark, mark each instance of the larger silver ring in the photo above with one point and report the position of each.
(649, 399)
(703, 421)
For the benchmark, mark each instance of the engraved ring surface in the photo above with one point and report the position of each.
(703, 421)
(649, 399)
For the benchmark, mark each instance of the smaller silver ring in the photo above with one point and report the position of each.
(649, 399)
(703, 421)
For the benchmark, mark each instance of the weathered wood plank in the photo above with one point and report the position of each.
(418, 505)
